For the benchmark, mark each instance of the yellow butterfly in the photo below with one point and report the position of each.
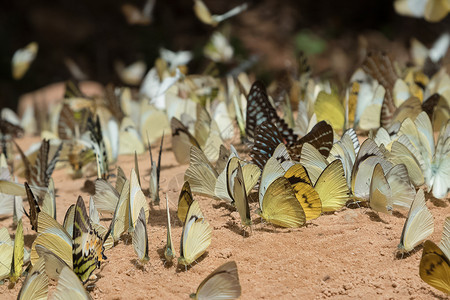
(18, 254)
(184, 201)
(54, 237)
(304, 192)
(195, 237)
(222, 283)
(329, 107)
(434, 266)
(280, 206)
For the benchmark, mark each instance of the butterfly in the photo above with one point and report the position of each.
(98, 145)
(306, 195)
(34, 207)
(434, 266)
(6, 253)
(140, 237)
(328, 107)
(201, 174)
(137, 201)
(268, 138)
(69, 285)
(133, 73)
(418, 226)
(54, 237)
(279, 205)
(203, 14)
(260, 110)
(18, 254)
(276, 166)
(22, 60)
(222, 283)
(40, 173)
(182, 139)
(368, 156)
(391, 191)
(35, 285)
(431, 11)
(9, 129)
(184, 201)
(136, 16)
(195, 237)
(240, 193)
(88, 245)
(427, 155)
(169, 252)
(155, 170)
(225, 180)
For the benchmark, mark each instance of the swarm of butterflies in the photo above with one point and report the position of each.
(295, 166)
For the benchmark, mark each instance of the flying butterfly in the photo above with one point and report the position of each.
(222, 283)
(434, 266)
(203, 14)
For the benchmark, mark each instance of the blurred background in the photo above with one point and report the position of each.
(267, 38)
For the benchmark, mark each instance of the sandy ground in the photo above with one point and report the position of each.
(345, 255)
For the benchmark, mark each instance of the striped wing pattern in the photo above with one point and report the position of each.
(87, 249)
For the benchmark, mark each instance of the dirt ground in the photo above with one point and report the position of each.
(345, 255)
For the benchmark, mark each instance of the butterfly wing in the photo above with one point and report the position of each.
(280, 206)
(304, 192)
(18, 253)
(87, 249)
(434, 267)
(196, 235)
(169, 253)
(418, 226)
(35, 285)
(34, 207)
(140, 237)
(259, 110)
(184, 201)
(320, 136)
(240, 197)
(222, 283)
(69, 286)
(332, 187)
